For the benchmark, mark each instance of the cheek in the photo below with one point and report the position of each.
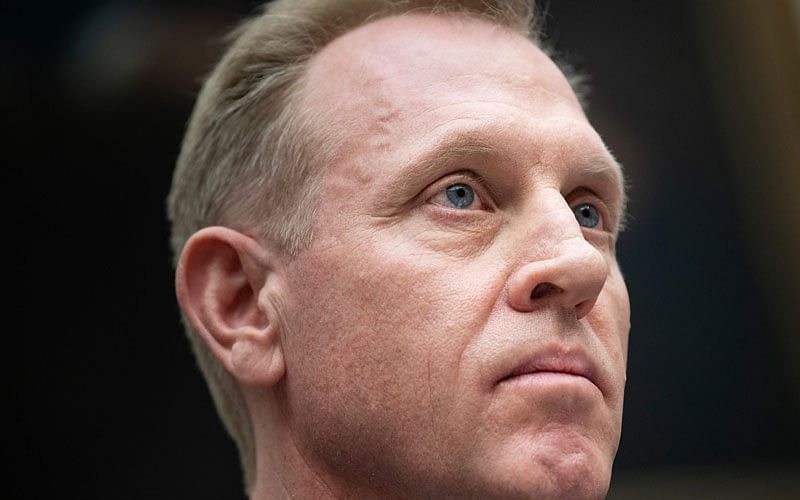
(377, 337)
(369, 310)
(621, 308)
(610, 323)
(610, 319)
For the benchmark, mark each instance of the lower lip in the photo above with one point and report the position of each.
(545, 378)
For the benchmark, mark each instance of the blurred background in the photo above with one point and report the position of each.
(700, 100)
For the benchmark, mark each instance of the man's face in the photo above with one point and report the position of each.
(459, 324)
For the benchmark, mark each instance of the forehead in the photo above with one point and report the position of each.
(413, 59)
(394, 49)
(395, 86)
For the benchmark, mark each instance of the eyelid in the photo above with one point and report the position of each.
(468, 177)
(585, 195)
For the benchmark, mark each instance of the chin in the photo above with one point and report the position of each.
(552, 467)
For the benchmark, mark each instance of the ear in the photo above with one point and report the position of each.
(226, 283)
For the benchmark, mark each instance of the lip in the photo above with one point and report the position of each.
(556, 360)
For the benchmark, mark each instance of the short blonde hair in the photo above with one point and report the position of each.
(252, 159)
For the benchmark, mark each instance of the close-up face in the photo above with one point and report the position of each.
(459, 322)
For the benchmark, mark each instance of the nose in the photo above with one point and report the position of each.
(572, 277)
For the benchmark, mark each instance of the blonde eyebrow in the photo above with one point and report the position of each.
(458, 147)
(445, 155)
(607, 170)
(448, 155)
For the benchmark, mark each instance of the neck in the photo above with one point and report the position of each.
(282, 471)
(285, 468)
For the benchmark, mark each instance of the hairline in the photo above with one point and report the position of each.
(240, 211)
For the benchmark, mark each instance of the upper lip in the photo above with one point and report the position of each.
(555, 358)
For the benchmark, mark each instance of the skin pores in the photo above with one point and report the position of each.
(409, 313)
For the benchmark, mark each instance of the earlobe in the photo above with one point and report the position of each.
(255, 366)
(222, 279)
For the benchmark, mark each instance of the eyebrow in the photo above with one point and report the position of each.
(609, 174)
(454, 149)
(608, 171)
(445, 154)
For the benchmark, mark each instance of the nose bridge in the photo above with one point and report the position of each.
(560, 266)
(551, 225)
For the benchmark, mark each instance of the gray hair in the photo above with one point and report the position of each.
(252, 159)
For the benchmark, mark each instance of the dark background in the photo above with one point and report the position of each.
(105, 399)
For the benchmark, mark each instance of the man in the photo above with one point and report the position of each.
(396, 232)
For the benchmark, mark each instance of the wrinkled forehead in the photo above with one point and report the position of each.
(406, 63)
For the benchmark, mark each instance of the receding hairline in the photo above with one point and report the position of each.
(466, 143)
(347, 67)
(246, 153)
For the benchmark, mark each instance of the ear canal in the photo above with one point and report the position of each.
(246, 310)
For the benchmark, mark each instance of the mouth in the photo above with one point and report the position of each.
(554, 364)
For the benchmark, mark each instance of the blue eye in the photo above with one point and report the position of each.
(460, 195)
(587, 215)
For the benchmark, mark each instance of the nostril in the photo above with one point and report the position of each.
(584, 308)
(543, 289)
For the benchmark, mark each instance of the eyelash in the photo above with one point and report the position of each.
(586, 195)
(469, 178)
(606, 225)
(576, 197)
